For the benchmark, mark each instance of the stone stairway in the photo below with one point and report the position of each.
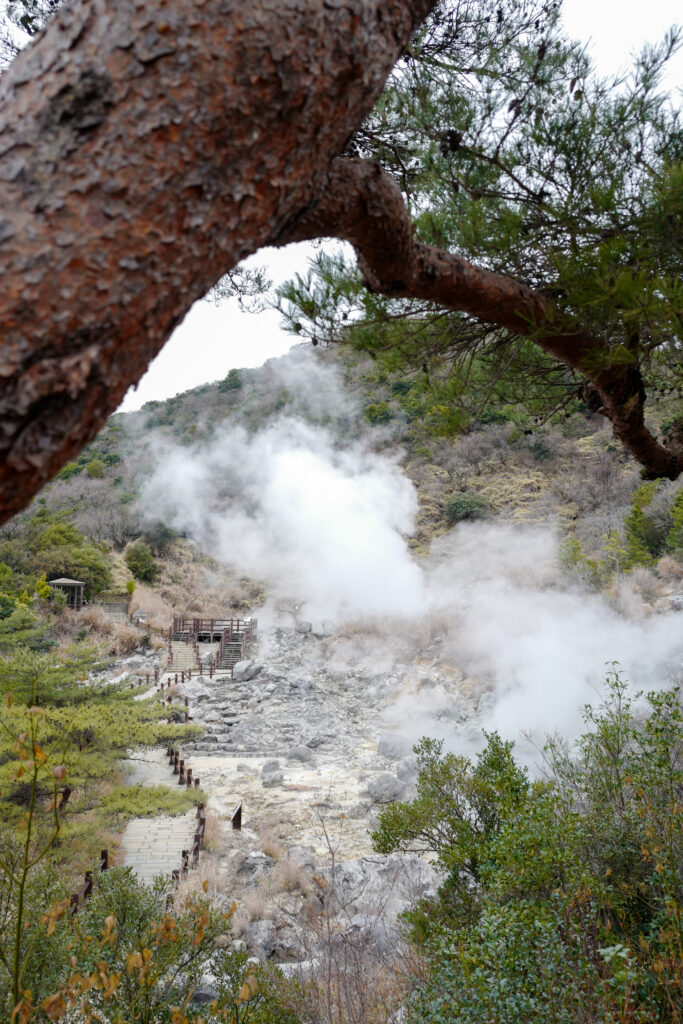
(231, 652)
(154, 846)
(184, 657)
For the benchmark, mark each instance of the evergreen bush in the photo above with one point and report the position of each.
(466, 505)
(140, 561)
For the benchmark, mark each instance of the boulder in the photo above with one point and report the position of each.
(302, 857)
(302, 626)
(288, 945)
(406, 769)
(261, 937)
(386, 788)
(255, 864)
(375, 931)
(383, 885)
(274, 778)
(246, 670)
(300, 754)
(394, 746)
(203, 993)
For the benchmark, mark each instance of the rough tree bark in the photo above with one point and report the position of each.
(148, 146)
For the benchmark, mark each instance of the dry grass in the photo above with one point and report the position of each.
(207, 878)
(158, 611)
(254, 905)
(669, 569)
(95, 617)
(647, 585)
(214, 834)
(124, 640)
(270, 841)
(287, 876)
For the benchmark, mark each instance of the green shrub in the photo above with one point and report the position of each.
(232, 382)
(95, 469)
(69, 470)
(466, 505)
(674, 540)
(562, 897)
(159, 536)
(140, 561)
(378, 413)
(150, 801)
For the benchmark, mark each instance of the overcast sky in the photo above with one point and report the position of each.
(211, 340)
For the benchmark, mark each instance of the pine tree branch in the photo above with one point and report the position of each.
(361, 204)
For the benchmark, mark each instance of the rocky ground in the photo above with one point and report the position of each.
(312, 736)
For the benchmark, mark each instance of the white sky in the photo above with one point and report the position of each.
(211, 340)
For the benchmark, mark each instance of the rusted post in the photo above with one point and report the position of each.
(196, 783)
(66, 793)
(176, 763)
(237, 817)
(187, 716)
(189, 673)
(171, 755)
(104, 860)
(186, 860)
(188, 777)
(147, 678)
(181, 777)
(87, 890)
(176, 678)
(175, 875)
(200, 808)
(186, 701)
(73, 903)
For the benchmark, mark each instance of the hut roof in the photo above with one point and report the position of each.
(64, 582)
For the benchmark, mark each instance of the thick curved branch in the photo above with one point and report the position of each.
(361, 204)
(146, 147)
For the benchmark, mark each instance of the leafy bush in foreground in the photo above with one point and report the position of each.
(562, 899)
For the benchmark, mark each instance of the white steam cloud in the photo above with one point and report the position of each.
(326, 522)
(286, 504)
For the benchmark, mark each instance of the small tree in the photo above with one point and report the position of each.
(141, 562)
(233, 382)
(95, 469)
(466, 505)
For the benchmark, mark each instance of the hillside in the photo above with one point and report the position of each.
(507, 465)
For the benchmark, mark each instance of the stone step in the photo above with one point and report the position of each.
(154, 846)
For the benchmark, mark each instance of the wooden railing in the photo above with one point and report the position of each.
(194, 626)
(85, 891)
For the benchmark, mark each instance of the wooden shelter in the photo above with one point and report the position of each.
(73, 590)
